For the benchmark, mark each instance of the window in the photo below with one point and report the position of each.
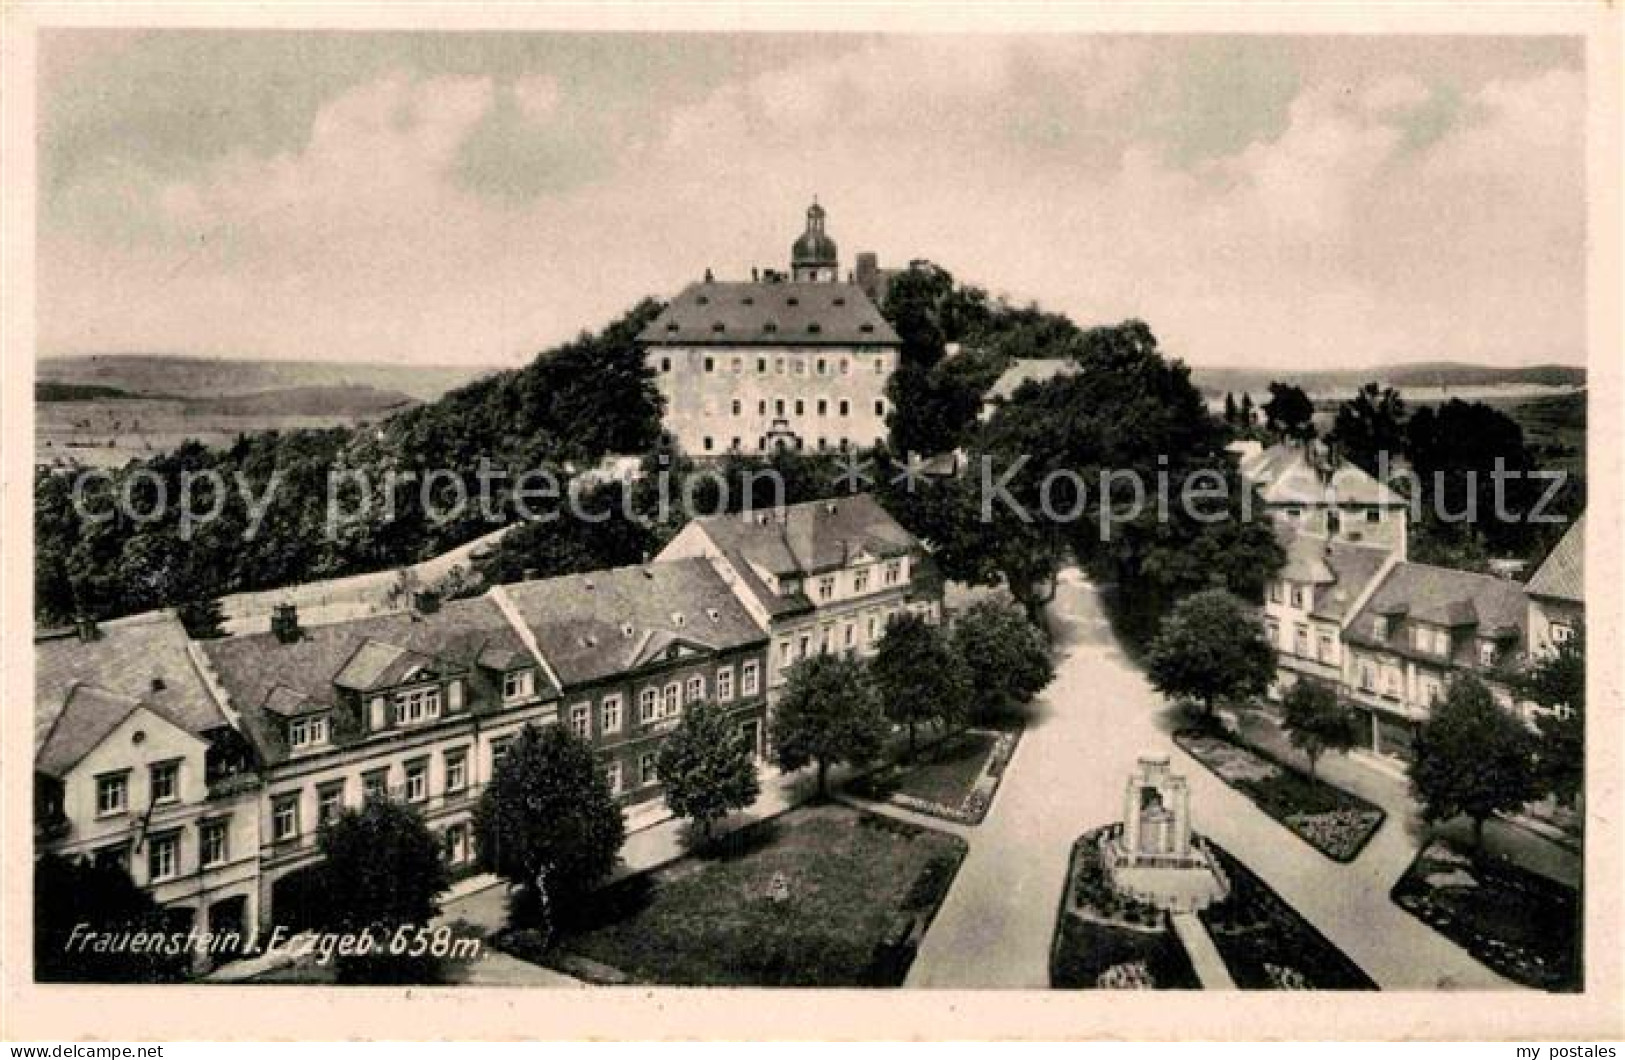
(846, 407)
(851, 634)
(1334, 521)
(738, 407)
(648, 700)
(800, 366)
(1297, 597)
(375, 784)
(1373, 515)
(894, 572)
(1272, 630)
(738, 366)
(748, 678)
(417, 780)
(609, 714)
(846, 366)
(801, 407)
(860, 581)
(518, 684)
(647, 772)
(454, 694)
(806, 643)
(673, 700)
(613, 777)
(329, 801)
(823, 407)
(826, 588)
(778, 406)
(820, 361)
(163, 856)
(456, 771)
(112, 793)
(417, 705)
(1326, 652)
(1301, 641)
(500, 748)
(696, 690)
(665, 362)
(725, 684)
(581, 720)
(709, 444)
(115, 856)
(1368, 677)
(871, 625)
(710, 364)
(778, 365)
(761, 366)
(214, 842)
(308, 731)
(1486, 654)
(285, 818)
(1561, 633)
(880, 408)
(165, 780)
(1277, 593)
(457, 847)
(376, 712)
(1381, 627)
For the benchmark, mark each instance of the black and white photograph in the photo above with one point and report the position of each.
(891, 509)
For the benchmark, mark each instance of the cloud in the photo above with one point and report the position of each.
(480, 216)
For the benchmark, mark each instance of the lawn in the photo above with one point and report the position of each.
(1266, 945)
(821, 896)
(1103, 941)
(1333, 821)
(954, 778)
(1519, 923)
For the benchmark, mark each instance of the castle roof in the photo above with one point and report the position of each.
(770, 313)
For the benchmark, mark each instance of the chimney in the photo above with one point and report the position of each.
(425, 601)
(285, 623)
(87, 629)
(157, 684)
(708, 277)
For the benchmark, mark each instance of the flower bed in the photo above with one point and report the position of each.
(1520, 924)
(1333, 821)
(954, 779)
(1266, 945)
(1107, 942)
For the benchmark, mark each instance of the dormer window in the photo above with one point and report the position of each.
(840, 301)
(814, 328)
(626, 630)
(866, 328)
(307, 732)
(1381, 627)
(1487, 654)
(678, 619)
(713, 614)
(771, 327)
(704, 299)
(719, 327)
(414, 706)
(792, 301)
(673, 326)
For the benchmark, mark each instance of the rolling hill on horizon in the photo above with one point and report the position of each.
(185, 376)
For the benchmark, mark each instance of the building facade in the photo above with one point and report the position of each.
(1303, 487)
(1323, 583)
(798, 363)
(632, 647)
(825, 576)
(1557, 594)
(134, 764)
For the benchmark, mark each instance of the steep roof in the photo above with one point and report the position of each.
(1342, 570)
(803, 539)
(141, 660)
(1562, 576)
(1285, 474)
(1440, 596)
(593, 626)
(779, 313)
(264, 676)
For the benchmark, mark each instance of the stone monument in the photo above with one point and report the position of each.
(1153, 857)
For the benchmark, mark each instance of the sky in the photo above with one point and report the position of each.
(472, 198)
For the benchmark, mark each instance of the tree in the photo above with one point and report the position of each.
(76, 894)
(1558, 683)
(1472, 757)
(1211, 646)
(918, 676)
(829, 714)
(1230, 410)
(1370, 424)
(1290, 412)
(706, 768)
(1317, 721)
(381, 870)
(1244, 414)
(1007, 657)
(203, 619)
(1464, 454)
(547, 820)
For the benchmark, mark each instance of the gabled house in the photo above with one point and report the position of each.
(1320, 587)
(1303, 486)
(824, 576)
(1557, 594)
(134, 763)
(630, 648)
(1421, 627)
(415, 705)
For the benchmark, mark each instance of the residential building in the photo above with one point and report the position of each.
(416, 705)
(135, 764)
(1304, 487)
(819, 577)
(1323, 583)
(774, 363)
(1421, 627)
(1557, 594)
(630, 648)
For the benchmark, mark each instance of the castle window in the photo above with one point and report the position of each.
(846, 407)
(823, 407)
(734, 445)
(718, 327)
(761, 366)
(770, 327)
(709, 363)
(739, 366)
(738, 407)
(761, 407)
(779, 365)
(846, 366)
(880, 408)
(820, 363)
(708, 443)
(665, 364)
(813, 329)
(801, 407)
(800, 366)
(778, 406)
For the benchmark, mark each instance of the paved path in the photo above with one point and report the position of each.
(1210, 969)
(1068, 774)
